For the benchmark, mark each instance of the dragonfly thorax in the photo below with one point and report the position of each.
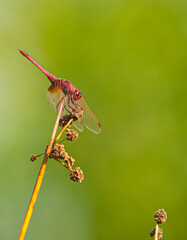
(68, 89)
(66, 86)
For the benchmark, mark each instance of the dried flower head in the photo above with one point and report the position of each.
(77, 112)
(160, 216)
(77, 175)
(71, 134)
(64, 120)
(70, 161)
(160, 233)
(58, 152)
(33, 158)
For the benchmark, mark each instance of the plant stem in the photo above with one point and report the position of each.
(59, 135)
(40, 155)
(156, 232)
(39, 179)
(62, 140)
(64, 165)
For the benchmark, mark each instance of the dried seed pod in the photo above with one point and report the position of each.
(63, 155)
(160, 233)
(64, 120)
(69, 161)
(71, 134)
(33, 157)
(57, 151)
(77, 175)
(77, 112)
(160, 216)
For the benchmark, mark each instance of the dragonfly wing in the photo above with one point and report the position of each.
(55, 95)
(89, 119)
(79, 125)
(72, 108)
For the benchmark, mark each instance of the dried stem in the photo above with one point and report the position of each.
(156, 232)
(64, 165)
(62, 140)
(40, 155)
(59, 135)
(40, 177)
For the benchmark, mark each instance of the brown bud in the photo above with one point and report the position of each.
(77, 175)
(160, 216)
(160, 233)
(70, 161)
(63, 155)
(33, 158)
(71, 134)
(77, 112)
(64, 120)
(58, 151)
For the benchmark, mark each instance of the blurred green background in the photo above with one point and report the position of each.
(129, 59)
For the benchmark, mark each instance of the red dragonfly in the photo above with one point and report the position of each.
(62, 90)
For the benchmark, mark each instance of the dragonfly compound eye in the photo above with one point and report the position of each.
(77, 94)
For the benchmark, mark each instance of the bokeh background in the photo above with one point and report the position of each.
(129, 59)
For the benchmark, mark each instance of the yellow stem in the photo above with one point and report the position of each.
(39, 180)
(156, 232)
(62, 140)
(64, 165)
(40, 155)
(59, 135)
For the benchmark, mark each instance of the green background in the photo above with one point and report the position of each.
(129, 59)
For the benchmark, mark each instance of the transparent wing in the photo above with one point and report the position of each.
(89, 119)
(54, 96)
(71, 107)
(79, 125)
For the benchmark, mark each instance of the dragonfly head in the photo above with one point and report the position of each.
(77, 94)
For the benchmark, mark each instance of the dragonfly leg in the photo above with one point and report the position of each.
(69, 103)
(59, 103)
(65, 106)
(71, 107)
(76, 109)
(71, 112)
(74, 103)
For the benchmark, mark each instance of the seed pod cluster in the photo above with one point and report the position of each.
(160, 217)
(58, 151)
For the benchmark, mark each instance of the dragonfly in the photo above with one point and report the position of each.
(63, 91)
